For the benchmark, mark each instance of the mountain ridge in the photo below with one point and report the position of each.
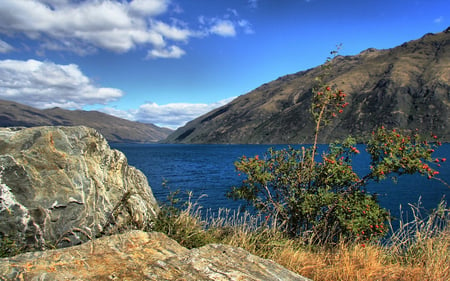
(115, 129)
(405, 87)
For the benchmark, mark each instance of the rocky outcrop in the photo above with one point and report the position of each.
(138, 255)
(61, 186)
(404, 87)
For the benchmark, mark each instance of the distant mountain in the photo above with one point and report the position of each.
(112, 128)
(405, 87)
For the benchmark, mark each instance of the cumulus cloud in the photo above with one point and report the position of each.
(171, 31)
(124, 114)
(119, 26)
(102, 24)
(172, 115)
(170, 52)
(146, 7)
(46, 84)
(223, 28)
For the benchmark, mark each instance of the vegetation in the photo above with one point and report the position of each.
(418, 250)
(315, 217)
(301, 194)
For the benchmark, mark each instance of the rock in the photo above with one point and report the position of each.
(61, 186)
(137, 255)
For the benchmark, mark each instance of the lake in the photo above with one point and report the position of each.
(208, 171)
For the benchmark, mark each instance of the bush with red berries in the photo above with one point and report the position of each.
(325, 198)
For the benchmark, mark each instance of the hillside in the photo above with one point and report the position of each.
(114, 129)
(404, 87)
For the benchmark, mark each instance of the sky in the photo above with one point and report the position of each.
(167, 62)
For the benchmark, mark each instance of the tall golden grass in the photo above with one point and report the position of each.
(418, 250)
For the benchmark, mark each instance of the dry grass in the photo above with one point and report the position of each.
(418, 250)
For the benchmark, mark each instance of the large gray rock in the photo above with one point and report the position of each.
(60, 186)
(138, 255)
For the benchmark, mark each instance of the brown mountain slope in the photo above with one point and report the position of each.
(405, 87)
(112, 128)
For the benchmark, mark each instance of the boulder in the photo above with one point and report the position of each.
(138, 255)
(60, 186)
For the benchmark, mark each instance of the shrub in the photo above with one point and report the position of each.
(325, 197)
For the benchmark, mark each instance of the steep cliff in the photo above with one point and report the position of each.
(60, 186)
(405, 87)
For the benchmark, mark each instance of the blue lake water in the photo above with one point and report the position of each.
(208, 171)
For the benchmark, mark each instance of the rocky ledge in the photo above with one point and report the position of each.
(137, 255)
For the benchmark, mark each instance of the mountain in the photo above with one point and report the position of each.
(114, 129)
(404, 87)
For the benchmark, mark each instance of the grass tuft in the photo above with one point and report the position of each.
(418, 250)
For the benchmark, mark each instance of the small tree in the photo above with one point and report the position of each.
(326, 198)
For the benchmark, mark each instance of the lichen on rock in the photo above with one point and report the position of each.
(138, 255)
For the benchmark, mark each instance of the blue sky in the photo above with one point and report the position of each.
(169, 61)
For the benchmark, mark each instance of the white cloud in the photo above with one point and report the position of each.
(119, 26)
(129, 115)
(170, 52)
(5, 47)
(151, 8)
(102, 24)
(171, 32)
(224, 28)
(172, 115)
(45, 84)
